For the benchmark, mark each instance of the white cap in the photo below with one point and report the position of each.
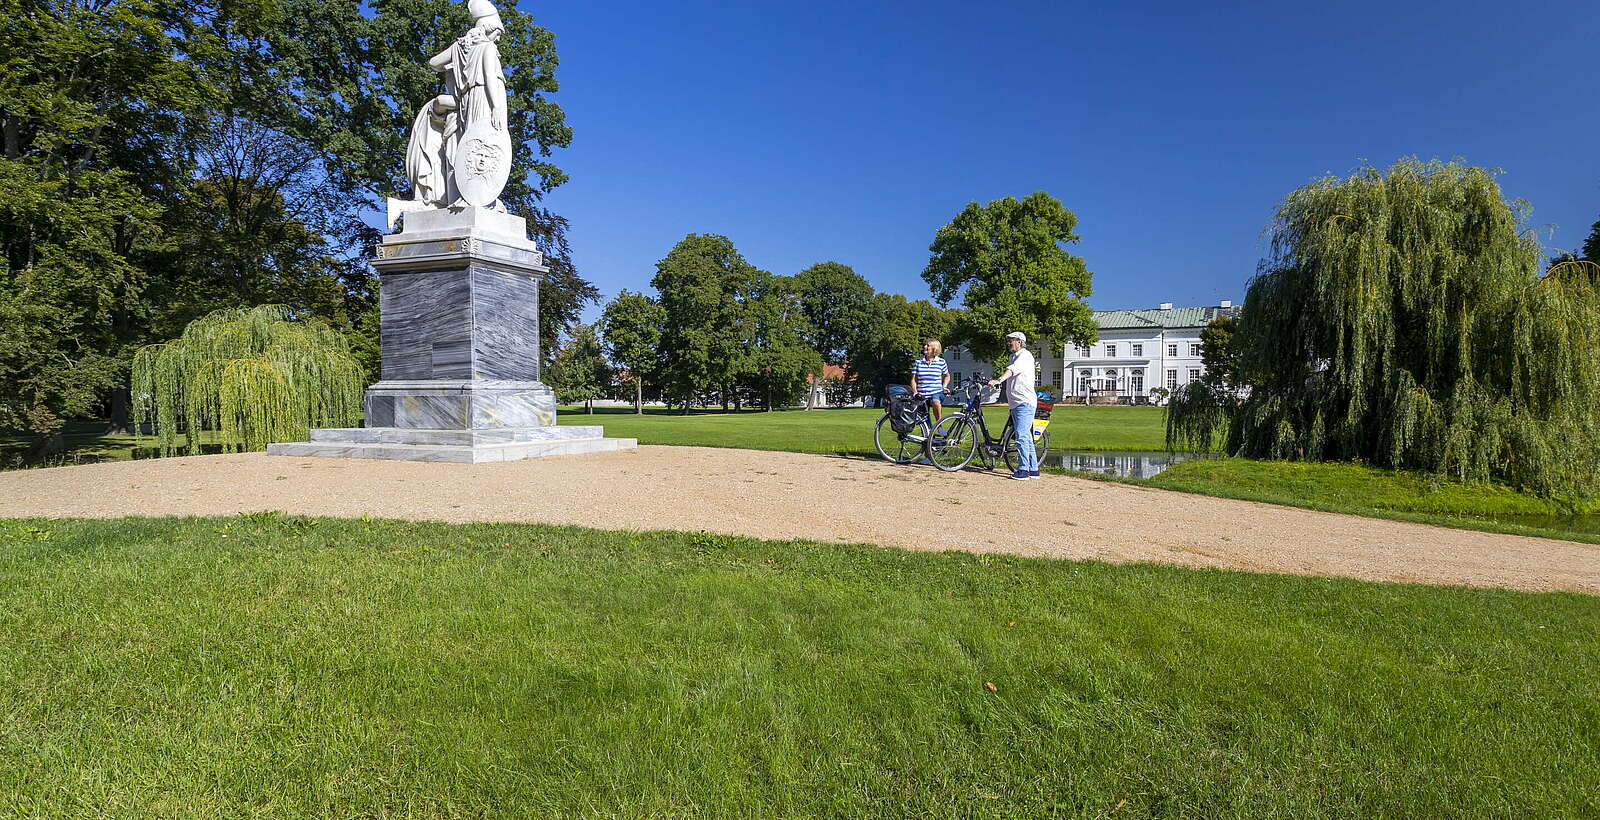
(1017, 334)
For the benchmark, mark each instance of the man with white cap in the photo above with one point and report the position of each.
(1021, 398)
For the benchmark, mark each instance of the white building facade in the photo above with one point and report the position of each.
(1138, 351)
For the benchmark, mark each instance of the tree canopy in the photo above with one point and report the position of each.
(1218, 354)
(1401, 319)
(163, 160)
(1007, 260)
(631, 325)
(703, 284)
(252, 376)
(579, 373)
(838, 305)
(883, 356)
(780, 355)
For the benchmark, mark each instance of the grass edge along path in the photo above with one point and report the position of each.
(270, 665)
(1358, 489)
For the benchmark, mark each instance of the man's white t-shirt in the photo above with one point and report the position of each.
(1020, 388)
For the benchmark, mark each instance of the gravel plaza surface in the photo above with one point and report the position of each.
(780, 495)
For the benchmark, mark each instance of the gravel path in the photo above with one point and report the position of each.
(790, 495)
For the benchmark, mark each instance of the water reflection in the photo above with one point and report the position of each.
(1122, 464)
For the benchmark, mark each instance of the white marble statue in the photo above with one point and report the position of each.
(459, 153)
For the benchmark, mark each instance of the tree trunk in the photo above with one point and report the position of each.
(588, 407)
(638, 397)
(12, 128)
(120, 425)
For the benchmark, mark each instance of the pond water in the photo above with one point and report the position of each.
(1119, 463)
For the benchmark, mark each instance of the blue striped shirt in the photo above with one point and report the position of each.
(928, 377)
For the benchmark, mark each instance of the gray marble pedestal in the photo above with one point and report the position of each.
(460, 331)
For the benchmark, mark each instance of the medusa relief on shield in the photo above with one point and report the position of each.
(483, 159)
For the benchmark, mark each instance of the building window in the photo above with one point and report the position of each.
(955, 378)
(1111, 351)
(955, 354)
(1136, 381)
(1194, 350)
(1172, 379)
(1138, 350)
(1194, 374)
(1172, 350)
(1055, 378)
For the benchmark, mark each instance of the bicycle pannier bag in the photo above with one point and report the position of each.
(903, 415)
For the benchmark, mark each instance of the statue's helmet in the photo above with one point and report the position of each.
(484, 14)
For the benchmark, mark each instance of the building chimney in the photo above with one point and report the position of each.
(1166, 306)
(1227, 303)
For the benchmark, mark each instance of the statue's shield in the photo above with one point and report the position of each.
(482, 163)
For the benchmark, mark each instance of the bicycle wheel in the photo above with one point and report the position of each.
(954, 443)
(897, 447)
(1041, 445)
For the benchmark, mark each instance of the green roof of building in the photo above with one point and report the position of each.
(1171, 318)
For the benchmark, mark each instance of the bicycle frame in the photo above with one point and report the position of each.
(990, 446)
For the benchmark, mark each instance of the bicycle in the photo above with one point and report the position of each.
(956, 441)
(910, 444)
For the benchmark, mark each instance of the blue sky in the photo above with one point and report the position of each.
(851, 132)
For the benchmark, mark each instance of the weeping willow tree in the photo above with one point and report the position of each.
(252, 376)
(1401, 319)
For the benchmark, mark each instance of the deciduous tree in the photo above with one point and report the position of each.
(1006, 261)
(96, 103)
(579, 374)
(252, 376)
(1402, 320)
(884, 356)
(704, 284)
(780, 356)
(631, 326)
(1218, 354)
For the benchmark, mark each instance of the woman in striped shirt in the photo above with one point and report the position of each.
(930, 376)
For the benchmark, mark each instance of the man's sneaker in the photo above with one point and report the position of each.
(1033, 474)
(1021, 475)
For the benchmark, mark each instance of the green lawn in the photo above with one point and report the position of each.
(815, 431)
(86, 441)
(268, 666)
(850, 430)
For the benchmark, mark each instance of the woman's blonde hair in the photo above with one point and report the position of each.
(937, 348)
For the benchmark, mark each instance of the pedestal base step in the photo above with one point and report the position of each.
(458, 446)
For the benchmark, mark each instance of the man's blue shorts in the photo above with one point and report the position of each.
(938, 397)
